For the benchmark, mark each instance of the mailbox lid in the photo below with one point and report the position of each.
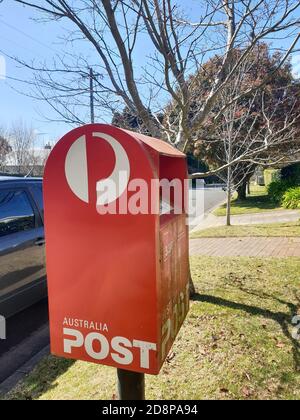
(160, 146)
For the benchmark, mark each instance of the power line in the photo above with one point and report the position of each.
(19, 46)
(28, 36)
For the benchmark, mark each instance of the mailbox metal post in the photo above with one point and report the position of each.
(131, 385)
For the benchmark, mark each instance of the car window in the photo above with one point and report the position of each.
(16, 212)
(37, 192)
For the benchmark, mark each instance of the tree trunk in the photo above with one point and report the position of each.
(242, 191)
(229, 175)
(228, 207)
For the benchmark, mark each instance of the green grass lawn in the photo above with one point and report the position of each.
(290, 229)
(258, 201)
(235, 344)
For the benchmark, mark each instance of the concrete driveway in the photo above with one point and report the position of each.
(202, 201)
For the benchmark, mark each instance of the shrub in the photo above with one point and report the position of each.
(292, 173)
(291, 198)
(277, 189)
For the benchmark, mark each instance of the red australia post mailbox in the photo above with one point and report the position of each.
(116, 247)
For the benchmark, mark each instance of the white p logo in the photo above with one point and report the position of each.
(76, 170)
(2, 328)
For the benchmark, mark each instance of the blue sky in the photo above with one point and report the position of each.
(22, 37)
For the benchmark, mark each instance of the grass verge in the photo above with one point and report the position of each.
(290, 229)
(235, 344)
(258, 201)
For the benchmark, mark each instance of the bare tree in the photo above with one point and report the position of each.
(228, 134)
(263, 130)
(4, 147)
(114, 31)
(40, 156)
(22, 140)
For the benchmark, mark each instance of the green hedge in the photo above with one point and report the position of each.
(276, 189)
(291, 198)
(292, 173)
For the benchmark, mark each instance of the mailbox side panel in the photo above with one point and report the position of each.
(173, 282)
(101, 269)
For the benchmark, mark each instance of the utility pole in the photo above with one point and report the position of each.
(92, 95)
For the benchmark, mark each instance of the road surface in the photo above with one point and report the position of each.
(27, 334)
(202, 201)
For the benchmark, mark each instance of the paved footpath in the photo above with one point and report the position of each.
(246, 247)
(276, 216)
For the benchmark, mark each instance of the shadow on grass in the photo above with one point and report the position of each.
(42, 379)
(282, 318)
(262, 202)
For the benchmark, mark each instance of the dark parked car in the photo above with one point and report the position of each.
(22, 243)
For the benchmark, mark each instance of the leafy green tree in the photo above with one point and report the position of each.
(263, 123)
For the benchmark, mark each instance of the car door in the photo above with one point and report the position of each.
(22, 261)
